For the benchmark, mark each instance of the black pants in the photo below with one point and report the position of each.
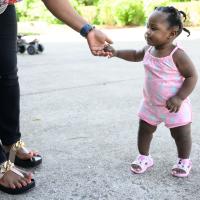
(9, 85)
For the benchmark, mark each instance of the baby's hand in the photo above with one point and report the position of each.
(110, 50)
(173, 104)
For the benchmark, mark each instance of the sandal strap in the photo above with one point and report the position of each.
(142, 161)
(9, 166)
(18, 145)
(183, 164)
(15, 147)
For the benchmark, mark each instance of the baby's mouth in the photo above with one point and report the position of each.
(148, 39)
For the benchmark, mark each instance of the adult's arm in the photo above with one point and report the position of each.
(65, 12)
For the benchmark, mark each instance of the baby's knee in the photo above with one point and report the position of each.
(181, 133)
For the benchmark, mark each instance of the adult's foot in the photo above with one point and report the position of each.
(13, 180)
(21, 156)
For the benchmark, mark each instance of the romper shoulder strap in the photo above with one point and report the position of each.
(148, 49)
(174, 50)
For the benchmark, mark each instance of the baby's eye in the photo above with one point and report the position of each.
(153, 28)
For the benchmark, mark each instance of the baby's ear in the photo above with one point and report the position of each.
(174, 31)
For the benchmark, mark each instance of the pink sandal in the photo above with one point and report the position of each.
(143, 163)
(185, 165)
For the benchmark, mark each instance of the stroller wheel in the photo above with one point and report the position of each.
(31, 50)
(40, 48)
(21, 49)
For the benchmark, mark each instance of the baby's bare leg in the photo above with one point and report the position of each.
(145, 135)
(182, 137)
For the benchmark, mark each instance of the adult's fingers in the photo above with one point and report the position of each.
(108, 40)
(96, 52)
(101, 47)
(101, 53)
(97, 48)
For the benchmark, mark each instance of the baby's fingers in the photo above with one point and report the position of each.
(177, 109)
(108, 48)
(168, 105)
(174, 109)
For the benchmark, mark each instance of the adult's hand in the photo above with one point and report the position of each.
(97, 40)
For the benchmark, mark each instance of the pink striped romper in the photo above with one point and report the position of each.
(162, 81)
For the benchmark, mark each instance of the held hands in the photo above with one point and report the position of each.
(173, 104)
(110, 50)
(97, 41)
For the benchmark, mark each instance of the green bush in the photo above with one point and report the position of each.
(88, 2)
(23, 9)
(105, 12)
(34, 10)
(192, 10)
(128, 12)
(181, 0)
(89, 13)
(149, 6)
(121, 12)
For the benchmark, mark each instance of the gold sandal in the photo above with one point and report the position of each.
(9, 166)
(20, 145)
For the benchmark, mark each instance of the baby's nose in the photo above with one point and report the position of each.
(146, 34)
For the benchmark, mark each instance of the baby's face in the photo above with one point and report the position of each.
(158, 31)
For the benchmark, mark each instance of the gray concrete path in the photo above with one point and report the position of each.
(79, 111)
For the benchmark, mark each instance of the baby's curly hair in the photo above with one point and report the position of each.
(174, 17)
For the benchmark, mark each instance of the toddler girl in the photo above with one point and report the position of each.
(170, 77)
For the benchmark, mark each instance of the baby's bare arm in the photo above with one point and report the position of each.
(188, 71)
(129, 55)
